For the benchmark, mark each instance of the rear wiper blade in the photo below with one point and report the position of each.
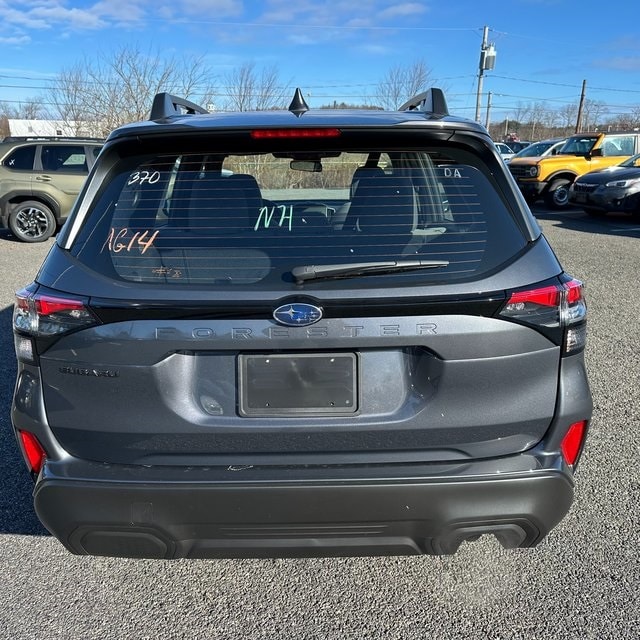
(320, 271)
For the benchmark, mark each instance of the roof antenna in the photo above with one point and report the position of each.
(298, 106)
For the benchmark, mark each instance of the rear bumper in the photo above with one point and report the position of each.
(288, 512)
(607, 200)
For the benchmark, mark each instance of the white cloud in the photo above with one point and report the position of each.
(375, 50)
(12, 17)
(57, 14)
(120, 11)
(210, 9)
(68, 18)
(402, 10)
(620, 63)
(15, 40)
(309, 21)
(338, 13)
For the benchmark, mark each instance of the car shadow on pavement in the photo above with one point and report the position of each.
(16, 505)
(577, 220)
(7, 236)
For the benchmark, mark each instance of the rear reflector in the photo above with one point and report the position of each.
(572, 442)
(33, 452)
(295, 133)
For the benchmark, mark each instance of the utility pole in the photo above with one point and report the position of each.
(487, 62)
(581, 107)
(486, 121)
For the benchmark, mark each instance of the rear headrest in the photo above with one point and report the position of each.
(384, 204)
(218, 204)
(363, 172)
(252, 192)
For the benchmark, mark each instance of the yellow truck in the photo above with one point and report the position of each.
(551, 177)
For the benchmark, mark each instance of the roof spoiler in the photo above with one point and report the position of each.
(165, 105)
(430, 101)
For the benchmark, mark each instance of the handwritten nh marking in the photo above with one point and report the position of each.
(266, 216)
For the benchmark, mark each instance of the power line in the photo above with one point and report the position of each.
(561, 84)
(333, 86)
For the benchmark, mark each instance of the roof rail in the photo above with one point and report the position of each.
(64, 138)
(431, 101)
(166, 105)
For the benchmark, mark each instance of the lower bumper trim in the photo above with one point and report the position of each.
(332, 519)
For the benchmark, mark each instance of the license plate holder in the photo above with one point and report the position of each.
(287, 384)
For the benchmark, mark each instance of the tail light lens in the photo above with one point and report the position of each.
(33, 452)
(558, 306)
(43, 315)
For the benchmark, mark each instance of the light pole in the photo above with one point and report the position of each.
(487, 62)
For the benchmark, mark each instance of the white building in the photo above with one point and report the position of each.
(47, 128)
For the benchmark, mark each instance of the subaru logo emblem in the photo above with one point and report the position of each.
(297, 314)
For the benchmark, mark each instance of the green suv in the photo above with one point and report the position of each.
(39, 181)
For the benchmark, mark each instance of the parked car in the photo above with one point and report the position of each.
(615, 188)
(541, 149)
(40, 179)
(518, 145)
(505, 151)
(300, 332)
(551, 177)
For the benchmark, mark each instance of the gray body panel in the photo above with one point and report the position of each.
(421, 383)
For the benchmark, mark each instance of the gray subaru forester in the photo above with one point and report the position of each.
(299, 333)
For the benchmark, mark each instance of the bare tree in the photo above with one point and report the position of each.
(401, 83)
(627, 121)
(29, 109)
(568, 116)
(521, 112)
(69, 97)
(551, 121)
(248, 89)
(593, 112)
(98, 95)
(537, 115)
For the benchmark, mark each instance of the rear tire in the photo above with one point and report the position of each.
(32, 221)
(557, 195)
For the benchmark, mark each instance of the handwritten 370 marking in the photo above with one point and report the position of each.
(140, 177)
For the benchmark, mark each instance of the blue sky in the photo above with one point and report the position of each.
(340, 49)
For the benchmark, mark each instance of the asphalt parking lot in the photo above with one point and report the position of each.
(582, 582)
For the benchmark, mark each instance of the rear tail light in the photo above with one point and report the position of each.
(573, 442)
(559, 306)
(33, 452)
(39, 315)
(44, 315)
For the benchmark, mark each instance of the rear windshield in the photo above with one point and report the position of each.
(254, 220)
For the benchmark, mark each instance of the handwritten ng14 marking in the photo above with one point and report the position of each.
(118, 241)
